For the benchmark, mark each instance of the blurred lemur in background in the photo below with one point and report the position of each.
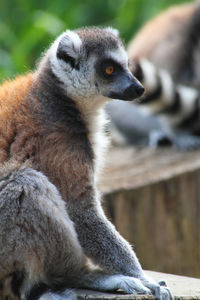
(165, 57)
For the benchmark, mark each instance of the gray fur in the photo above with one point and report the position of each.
(66, 295)
(133, 125)
(50, 240)
(42, 239)
(98, 43)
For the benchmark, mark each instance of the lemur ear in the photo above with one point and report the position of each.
(69, 48)
(114, 31)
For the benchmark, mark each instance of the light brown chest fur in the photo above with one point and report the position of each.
(51, 148)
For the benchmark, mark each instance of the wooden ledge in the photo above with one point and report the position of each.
(183, 288)
(153, 198)
(129, 167)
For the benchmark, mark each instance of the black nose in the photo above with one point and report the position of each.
(139, 90)
(127, 88)
(135, 90)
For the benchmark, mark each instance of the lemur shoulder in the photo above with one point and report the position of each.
(52, 221)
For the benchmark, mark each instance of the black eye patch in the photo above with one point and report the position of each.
(62, 54)
(108, 68)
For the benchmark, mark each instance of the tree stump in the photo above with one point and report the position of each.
(153, 198)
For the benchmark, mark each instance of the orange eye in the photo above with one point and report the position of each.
(109, 70)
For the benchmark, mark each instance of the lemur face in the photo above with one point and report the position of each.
(114, 79)
(92, 62)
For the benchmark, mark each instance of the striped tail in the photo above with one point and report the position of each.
(177, 105)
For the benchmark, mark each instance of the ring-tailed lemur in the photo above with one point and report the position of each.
(177, 106)
(167, 58)
(50, 137)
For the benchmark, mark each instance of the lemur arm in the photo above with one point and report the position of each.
(107, 248)
(99, 237)
(96, 234)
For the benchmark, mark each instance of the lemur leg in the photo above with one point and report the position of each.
(184, 141)
(97, 236)
(41, 245)
(38, 237)
(179, 140)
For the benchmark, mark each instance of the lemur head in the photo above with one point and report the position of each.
(92, 62)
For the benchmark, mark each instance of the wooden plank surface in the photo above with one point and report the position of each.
(131, 167)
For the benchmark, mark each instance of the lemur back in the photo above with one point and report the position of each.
(53, 229)
(162, 40)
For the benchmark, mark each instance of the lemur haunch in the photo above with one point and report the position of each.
(170, 73)
(51, 131)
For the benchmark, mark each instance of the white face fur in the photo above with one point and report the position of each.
(80, 83)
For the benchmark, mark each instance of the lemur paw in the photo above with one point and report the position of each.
(158, 138)
(162, 283)
(164, 293)
(132, 285)
(160, 289)
(128, 285)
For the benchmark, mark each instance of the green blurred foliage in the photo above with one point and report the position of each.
(28, 26)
